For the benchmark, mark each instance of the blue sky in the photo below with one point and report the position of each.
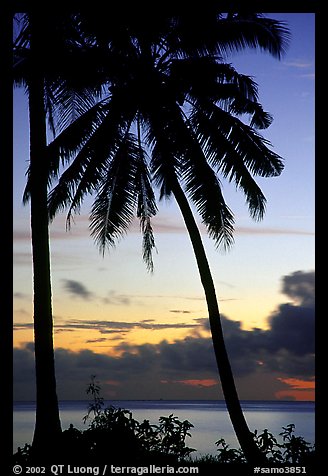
(249, 279)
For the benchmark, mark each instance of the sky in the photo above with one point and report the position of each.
(146, 336)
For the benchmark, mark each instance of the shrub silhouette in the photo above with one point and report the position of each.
(115, 436)
(296, 449)
(115, 433)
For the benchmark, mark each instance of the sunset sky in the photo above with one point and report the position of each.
(145, 336)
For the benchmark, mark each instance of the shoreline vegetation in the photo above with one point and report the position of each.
(114, 436)
(173, 400)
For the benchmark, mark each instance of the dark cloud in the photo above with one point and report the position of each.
(19, 295)
(161, 370)
(76, 288)
(155, 370)
(179, 311)
(292, 328)
(300, 286)
(23, 325)
(110, 327)
(105, 327)
(93, 341)
(291, 365)
(259, 358)
(289, 343)
(23, 373)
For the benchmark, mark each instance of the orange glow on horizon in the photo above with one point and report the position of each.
(298, 395)
(301, 390)
(298, 384)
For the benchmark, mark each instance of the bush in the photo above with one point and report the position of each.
(114, 435)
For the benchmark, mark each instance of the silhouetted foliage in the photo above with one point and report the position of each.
(293, 450)
(296, 449)
(96, 405)
(114, 436)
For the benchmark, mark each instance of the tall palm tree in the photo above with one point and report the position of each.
(48, 426)
(44, 72)
(172, 115)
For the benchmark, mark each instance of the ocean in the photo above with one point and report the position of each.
(210, 419)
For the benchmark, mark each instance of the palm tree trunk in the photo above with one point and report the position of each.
(252, 453)
(47, 425)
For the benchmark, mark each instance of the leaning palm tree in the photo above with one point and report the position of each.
(172, 119)
(43, 73)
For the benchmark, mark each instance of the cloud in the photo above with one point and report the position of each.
(299, 64)
(22, 258)
(117, 326)
(108, 327)
(300, 286)
(271, 231)
(93, 341)
(162, 224)
(298, 384)
(167, 225)
(276, 362)
(185, 368)
(304, 389)
(302, 65)
(23, 326)
(292, 327)
(21, 235)
(179, 311)
(117, 299)
(76, 288)
(19, 295)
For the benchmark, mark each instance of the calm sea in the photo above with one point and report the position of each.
(210, 419)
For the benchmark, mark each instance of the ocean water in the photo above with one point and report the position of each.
(210, 419)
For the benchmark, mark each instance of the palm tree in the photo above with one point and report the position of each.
(48, 426)
(43, 74)
(172, 116)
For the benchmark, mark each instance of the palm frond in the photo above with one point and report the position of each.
(163, 147)
(252, 30)
(73, 138)
(206, 31)
(204, 189)
(237, 157)
(20, 67)
(67, 145)
(223, 134)
(116, 200)
(147, 207)
(85, 172)
(69, 104)
(190, 104)
(201, 76)
(220, 84)
(259, 159)
(185, 158)
(21, 33)
(148, 242)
